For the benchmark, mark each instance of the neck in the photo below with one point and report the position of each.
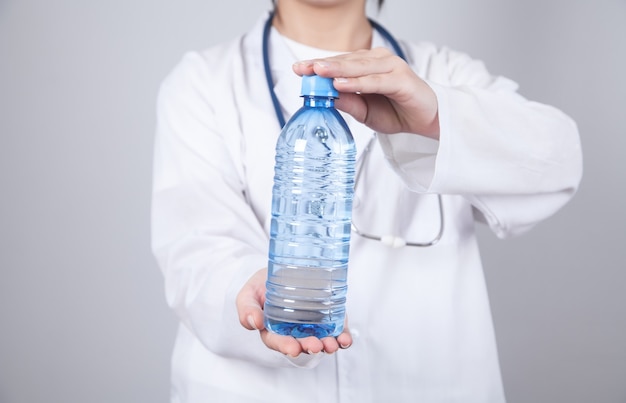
(339, 27)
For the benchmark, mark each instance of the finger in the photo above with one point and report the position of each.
(387, 84)
(352, 104)
(343, 341)
(250, 302)
(303, 67)
(287, 345)
(373, 110)
(401, 85)
(311, 344)
(249, 309)
(358, 64)
(345, 338)
(252, 319)
(355, 64)
(330, 344)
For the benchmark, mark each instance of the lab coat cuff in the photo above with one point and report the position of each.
(306, 360)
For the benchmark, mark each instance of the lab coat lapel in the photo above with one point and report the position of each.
(259, 126)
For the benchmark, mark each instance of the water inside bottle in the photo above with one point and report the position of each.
(310, 228)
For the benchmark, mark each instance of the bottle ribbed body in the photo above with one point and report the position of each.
(310, 227)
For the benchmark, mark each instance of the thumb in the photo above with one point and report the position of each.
(250, 302)
(353, 104)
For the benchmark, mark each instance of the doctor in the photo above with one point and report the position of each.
(442, 144)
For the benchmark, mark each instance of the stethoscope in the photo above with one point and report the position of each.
(389, 240)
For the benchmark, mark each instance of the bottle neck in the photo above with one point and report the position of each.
(319, 102)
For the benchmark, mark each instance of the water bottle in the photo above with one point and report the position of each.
(311, 216)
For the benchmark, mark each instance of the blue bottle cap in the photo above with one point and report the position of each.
(318, 86)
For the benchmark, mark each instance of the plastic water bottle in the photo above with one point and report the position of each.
(311, 216)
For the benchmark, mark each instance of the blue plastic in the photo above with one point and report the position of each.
(318, 86)
(311, 216)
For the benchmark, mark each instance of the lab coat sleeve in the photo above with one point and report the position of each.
(515, 160)
(206, 238)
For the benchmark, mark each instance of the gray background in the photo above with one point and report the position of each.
(82, 312)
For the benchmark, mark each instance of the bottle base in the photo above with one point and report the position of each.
(301, 330)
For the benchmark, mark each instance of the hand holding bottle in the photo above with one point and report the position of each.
(380, 90)
(250, 301)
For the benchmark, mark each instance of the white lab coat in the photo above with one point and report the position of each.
(420, 317)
